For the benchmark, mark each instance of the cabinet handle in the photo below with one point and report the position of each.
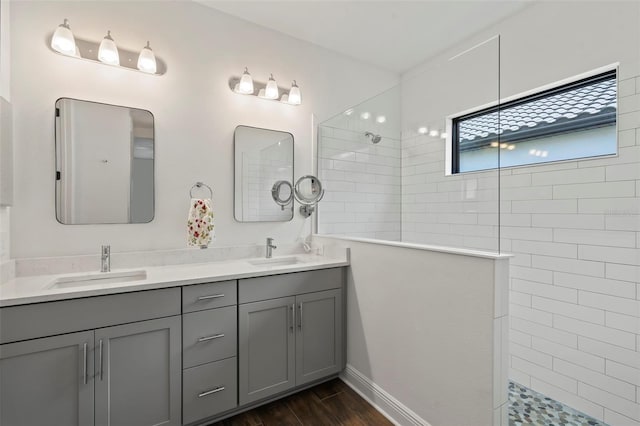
(85, 360)
(300, 316)
(292, 316)
(212, 296)
(100, 361)
(212, 391)
(215, 336)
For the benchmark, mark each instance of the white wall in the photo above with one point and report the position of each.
(195, 112)
(5, 92)
(574, 226)
(5, 49)
(424, 333)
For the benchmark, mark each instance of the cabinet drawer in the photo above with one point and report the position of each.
(206, 296)
(209, 335)
(276, 286)
(67, 316)
(209, 389)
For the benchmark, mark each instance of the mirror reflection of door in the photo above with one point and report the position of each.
(104, 163)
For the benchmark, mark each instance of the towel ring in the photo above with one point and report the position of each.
(200, 185)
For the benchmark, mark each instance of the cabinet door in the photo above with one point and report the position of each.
(138, 368)
(47, 381)
(319, 335)
(267, 350)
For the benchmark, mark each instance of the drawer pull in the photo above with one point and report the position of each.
(210, 392)
(213, 296)
(215, 336)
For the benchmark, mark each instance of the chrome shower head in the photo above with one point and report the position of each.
(373, 138)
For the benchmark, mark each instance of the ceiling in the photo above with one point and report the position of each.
(394, 35)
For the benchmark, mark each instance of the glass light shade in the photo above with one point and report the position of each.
(147, 60)
(294, 94)
(63, 40)
(271, 91)
(246, 83)
(108, 52)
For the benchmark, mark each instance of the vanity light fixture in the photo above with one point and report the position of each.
(63, 40)
(271, 91)
(108, 52)
(147, 60)
(246, 83)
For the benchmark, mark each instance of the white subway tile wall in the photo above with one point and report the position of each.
(261, 170)
(362, 182)
(574, 227)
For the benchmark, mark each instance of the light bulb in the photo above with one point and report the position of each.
(294, 94)
(63, 40)
(108, 52)
(246, 83)
(443, 135)
(381, 119)
(433, 133)
(147, 60)
(422, 130)
(349, 111)
(365, 115)
(271, 91)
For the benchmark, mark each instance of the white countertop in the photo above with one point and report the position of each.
(34, 289)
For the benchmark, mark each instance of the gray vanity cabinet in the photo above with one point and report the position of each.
(319, 335)
(285, 342)
(138, 373)
(47, 381)
(122, 369)
(267, 348)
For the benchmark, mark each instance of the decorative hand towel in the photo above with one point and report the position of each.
(200, 223)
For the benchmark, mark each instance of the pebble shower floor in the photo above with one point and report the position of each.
(527, 407)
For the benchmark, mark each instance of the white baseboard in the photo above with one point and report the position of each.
(391, 408)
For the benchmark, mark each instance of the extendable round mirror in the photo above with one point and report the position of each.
(308, 191)
(282, 193)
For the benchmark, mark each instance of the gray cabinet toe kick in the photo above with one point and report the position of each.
(186, 355)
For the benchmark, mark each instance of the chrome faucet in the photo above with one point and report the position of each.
(105, 259)
(270, 247)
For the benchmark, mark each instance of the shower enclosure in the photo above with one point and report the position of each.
(511, 144)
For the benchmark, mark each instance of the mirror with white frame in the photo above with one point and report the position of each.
(104, 163)
(263, 175)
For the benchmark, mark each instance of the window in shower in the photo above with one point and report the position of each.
(571, 121)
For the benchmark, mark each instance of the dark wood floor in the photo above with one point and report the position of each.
(330, 403)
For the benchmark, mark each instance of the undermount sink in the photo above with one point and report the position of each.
(98, 278)
(276, 261)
